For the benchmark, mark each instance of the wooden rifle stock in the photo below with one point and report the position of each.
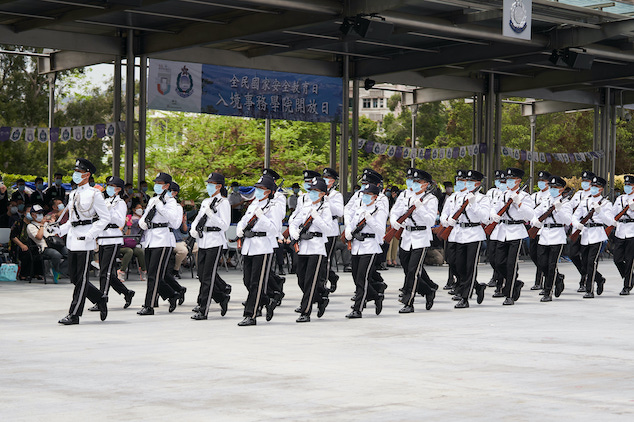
(356, 230)
(491, 226)
(392, 232)
(249, 226)
(532, 232)
(575, 235)
(303, 229)
(609, 229)
(446, 231)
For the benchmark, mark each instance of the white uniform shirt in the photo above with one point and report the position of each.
(85, 203)
(321, 224)
(624, 230)
(540, 196)
(270, 222)
(170, 213)
(376, 217)
(335, 202)
(591, 235)
(476, 212)
(422, 216)
(579, 196)
(356, 202)
(554, 235)
(220, 218)
(525, 212)
(118, 210)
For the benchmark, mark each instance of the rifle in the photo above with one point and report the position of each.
(203, 220)
(532, 232)
(446, 231)
(575, 235)
(152, 212)
(249, 226)
(392, 232)
(303, 229)
(356, 230)
(608, 230)
(490, 227)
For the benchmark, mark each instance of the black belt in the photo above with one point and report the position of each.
(112, 226)
(363, 236)
(553, 225)
(211, 229)
(512, 222)
(626, 220)
(415, 228)
(84, 222)
(309, 235)
(334, 217)
(594, 225)
(249, 234)
(469, 224)
(157, 225)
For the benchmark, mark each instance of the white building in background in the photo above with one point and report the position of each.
(373, 102)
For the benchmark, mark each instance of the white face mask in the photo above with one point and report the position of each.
(139, 211)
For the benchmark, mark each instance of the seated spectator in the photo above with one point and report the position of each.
(37, 230)
(22, 251)
(132, 247)
(37, 196)
(20, 193)
(57, 210)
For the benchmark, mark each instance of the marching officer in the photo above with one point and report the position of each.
(366, 229)
(259, 227)
(468, 235)
(575, 247)
(623, 242)
(538, 197)
(510, 230)
(312, 263)
(552, 236)
(109, 246)
(416, 237)
(208, 228)
(450, 246)
(492, 194)
(593, 233)
(335, 202)
(89, 216)
(161, 215)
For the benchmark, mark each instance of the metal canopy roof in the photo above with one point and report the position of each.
(440, 44)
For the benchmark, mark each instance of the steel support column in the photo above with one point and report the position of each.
(533, 120)
(479, 129)
(354, 151)
(497, 159)
(51, 116)
(489, 128)
(116, 117)
(333, 145)
(142, 120)
(129, 111)
(596, 136)
(343, 144)
(414, 109)
(267, 143)
(612, 147)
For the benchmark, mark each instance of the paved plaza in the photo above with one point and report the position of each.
(567, 360)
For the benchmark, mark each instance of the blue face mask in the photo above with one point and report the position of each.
(29, 217)
(627, 189)
(416, 186)
(144, 189)
(306, 186)
(460, 185)
(58, 182)
(110, 190)
(60, 207)
(594, 190)
(409, 183)
(366, 199)
(39, 217)
(21, 188)
(554, 192)
(471, 185)
(313, 195)
(77, 177)
(211, 188)
(541, 184)
(20, 207)
(585, 185)
(39, 186)
(158, 189)
(497, 183)
(169, 194)
(502, 186)
(295, 191)
(259, 193)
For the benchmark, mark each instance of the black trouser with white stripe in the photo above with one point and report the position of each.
(575, 256)
(311, 273)
(330, 250)
(207, 268)
(492, 246)
(156, 260)
(548, 258)
(590, 258)
(450, 258)
(467, 267)
(108, 271)
(362, 266)
(416, 279)
(506, 257)
(255, 276)
(623, 253)
(78, 268)
(532, 252)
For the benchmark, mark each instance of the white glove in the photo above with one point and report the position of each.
(89, 237)
(536, 223)
(293, 233)
(577, 226)
(631, 203)
(470, 198)
(496, 218)
(348, 234)
(418, 204)
(596, 207)
(557, 206)
(258, 212)
(314, 213)
(142, 224)
(451, 222)
(55, 231)
(193, 233)
(239, 232)
(367, 215)
(396, 225)
(517, 199)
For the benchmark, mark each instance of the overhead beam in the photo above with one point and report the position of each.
(331, 7)
(430, 95)
(455, 83)
(65, 60)
(579, 37)
(588, 97)
(235, 59)
(547, 107)
(59, 40)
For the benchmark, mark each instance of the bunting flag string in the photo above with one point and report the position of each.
(394, 151)
(64, 134)
(549, 157)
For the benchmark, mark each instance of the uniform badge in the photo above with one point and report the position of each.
(519, 16)
(184, 83)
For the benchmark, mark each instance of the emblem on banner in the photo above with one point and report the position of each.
(184, 83)
(66, 135)
(163, 80)
(519, 17)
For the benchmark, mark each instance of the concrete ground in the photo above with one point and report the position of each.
(565, 360)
